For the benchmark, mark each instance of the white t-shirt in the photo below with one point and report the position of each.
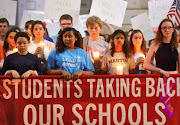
(110, 63)
(48, 47)
(100, 46)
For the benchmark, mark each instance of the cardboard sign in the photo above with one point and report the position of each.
(31, 15)
(158, 11)
(112, 11)
(142, 23)
(8, 10)
(55, 8)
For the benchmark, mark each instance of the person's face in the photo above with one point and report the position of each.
(38, 31)
(167, 29)
(119, 39)
(137, 39)
(3, 29)
(10, 39)
(94, 30)
(65, 24)
(69, 39)
(28, 30)
(22, 44)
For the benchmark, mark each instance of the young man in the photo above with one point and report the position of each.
(4, 26)
(94, 43)
(65, 22)
(22, 62)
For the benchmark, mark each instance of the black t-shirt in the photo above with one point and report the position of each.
(166, 59)
(22, 63)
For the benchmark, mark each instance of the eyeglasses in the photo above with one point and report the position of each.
(66, 24)
(167, 28)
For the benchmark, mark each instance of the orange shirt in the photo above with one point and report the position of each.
(2, 52)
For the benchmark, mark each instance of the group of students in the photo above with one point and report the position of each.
(69, 55)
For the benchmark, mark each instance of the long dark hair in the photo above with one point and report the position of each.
(60, 46)
(143, 45)
(159, 35)
(6, 43)
(125, 45)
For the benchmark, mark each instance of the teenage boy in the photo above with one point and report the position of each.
(65, 21)
(94, 43)
(22, 62)
(4, 26)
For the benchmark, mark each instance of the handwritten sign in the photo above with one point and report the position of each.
(31, 15)
(142, 23)
(113, 12)
(158, 11)
(8, 10)
(53, 28)
(82, 20)
(55, 8)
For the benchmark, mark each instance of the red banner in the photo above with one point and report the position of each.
(98, 100)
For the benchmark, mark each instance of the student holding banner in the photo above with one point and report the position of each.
(22, 62)
(65, 21)
(118, 56)
(4, 26)
(68, 58)
(39, 46)
(165, 50)
(138, 50)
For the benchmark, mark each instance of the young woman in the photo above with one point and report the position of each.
(22, 62)
(68, 58)
(119, 55)
(39, 46)
(138, 50)
(165, 51)
(9, 43)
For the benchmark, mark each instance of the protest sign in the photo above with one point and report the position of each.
(113, 12)
(142, 23)
(31, 15)
(107, 99)
(8, 10)
(158, 10)
(54, 9)
(53, 28)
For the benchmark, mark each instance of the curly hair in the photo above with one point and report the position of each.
(143, 45)
(21, 34)
(60, 46)
(125, 45)
(6, 43)
(159, 35)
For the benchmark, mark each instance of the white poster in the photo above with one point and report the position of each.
(158, 10)
(34, 5)
(142, 23)
(82, 20)
(112, 11)
(31, 15)
(8, 10)
(53, 28)
(55, 8)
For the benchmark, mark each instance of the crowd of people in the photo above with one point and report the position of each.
(34, 52)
